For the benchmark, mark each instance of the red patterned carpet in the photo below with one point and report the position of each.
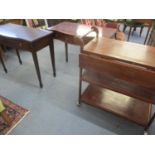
(14, 111)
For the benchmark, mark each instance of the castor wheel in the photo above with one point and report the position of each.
(145, 132)
(78, 104)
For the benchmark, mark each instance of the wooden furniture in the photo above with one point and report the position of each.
(37, 23)
(30, 39)
(2, 61)
(13, 21)
(134, 23)
(69, 32)
(1, 57)
(102, 24)
(146, 23)
(113, 68)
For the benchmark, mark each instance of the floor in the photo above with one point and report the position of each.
(53, 109)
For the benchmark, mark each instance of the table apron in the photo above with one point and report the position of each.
(40, 43)
(26, 45)
(71, 39)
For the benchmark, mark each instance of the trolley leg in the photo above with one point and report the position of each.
(149, 123)
(66, 51)
(80, 87)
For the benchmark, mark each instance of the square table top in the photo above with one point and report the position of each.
(132, 53)
(22, 32)
(77, 29)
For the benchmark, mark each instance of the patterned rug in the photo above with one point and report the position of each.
(14, 111)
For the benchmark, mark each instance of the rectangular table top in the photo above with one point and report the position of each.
(77, 29)
(14, 31)
(132, 53)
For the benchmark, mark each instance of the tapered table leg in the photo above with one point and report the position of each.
(20, 61)
(35, 59)
(2, 61)
(51, 46)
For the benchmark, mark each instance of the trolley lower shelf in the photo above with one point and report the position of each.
(127, 107)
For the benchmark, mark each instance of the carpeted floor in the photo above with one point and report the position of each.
(53, 109)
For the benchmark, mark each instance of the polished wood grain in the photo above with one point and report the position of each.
(146, 22)
(125, 71)
(132, 53)
(22, 37)
(118, 85)
(13, 21)
(72, 33)
(22, 32)
(30, 39)
(123, 67)
(77, 29)
(121, 105)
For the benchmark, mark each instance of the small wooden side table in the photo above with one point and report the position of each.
(30, 39)
(69, 32)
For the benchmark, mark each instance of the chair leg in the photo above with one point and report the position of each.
(129, 32)
(124, 28)
(17, 52)
(149, 40)
(141, 30)
(134, 29)
(2, 61)
(66, 51)
(147, 35)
